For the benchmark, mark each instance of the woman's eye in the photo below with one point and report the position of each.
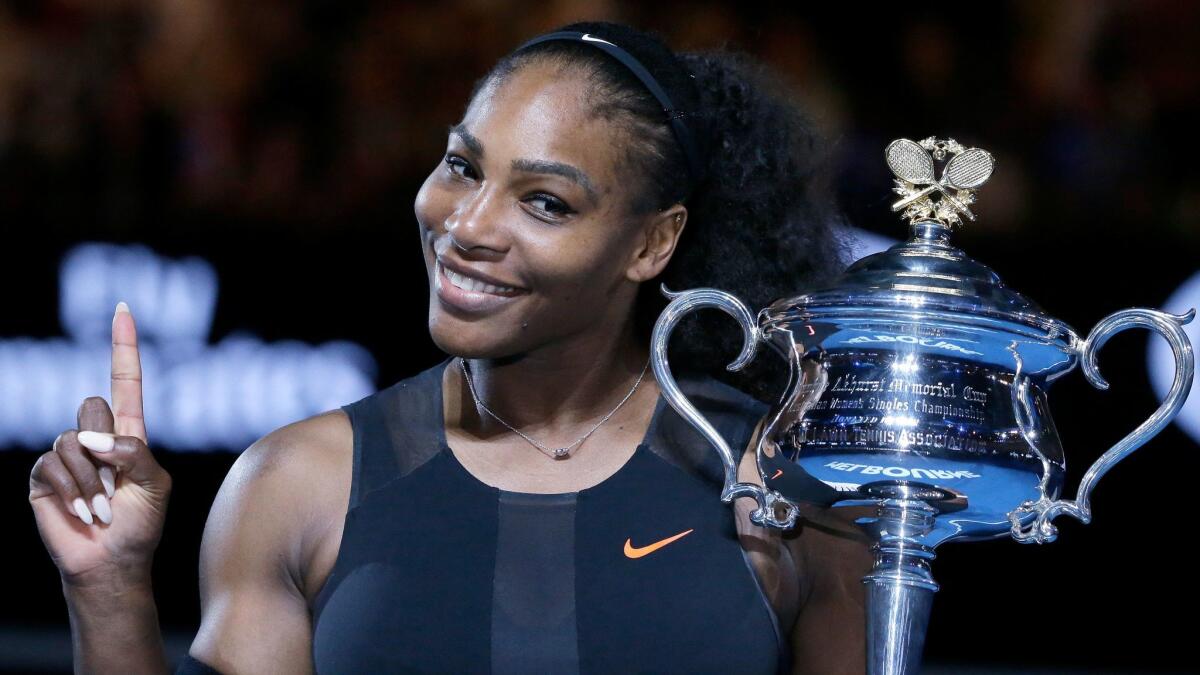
(551, 205)
(454, 162)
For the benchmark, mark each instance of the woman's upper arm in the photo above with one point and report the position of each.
(254, 615)
(834, 555)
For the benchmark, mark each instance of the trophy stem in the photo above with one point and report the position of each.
(900, 586)
(930, 232)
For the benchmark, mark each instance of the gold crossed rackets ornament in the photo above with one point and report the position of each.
(916, 179)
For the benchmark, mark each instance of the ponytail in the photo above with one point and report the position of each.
(762, 226)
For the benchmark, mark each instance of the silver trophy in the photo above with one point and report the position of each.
(917, 385)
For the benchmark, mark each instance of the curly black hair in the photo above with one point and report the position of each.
(760, 221)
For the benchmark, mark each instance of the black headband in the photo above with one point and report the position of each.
(675, 117)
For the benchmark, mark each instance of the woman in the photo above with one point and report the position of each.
(531, 503)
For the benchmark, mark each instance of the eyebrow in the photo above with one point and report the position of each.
(558, 169)
(567, 171)
(468, 139)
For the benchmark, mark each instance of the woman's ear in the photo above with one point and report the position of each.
(658, 237)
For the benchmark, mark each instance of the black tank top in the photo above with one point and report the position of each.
(439, 572)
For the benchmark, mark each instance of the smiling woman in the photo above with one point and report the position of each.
(530, 504)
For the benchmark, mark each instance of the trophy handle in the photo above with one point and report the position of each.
(1041, 530)
(773, 508)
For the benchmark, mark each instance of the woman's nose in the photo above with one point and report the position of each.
(477, 223)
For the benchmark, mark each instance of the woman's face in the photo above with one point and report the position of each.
(525, 226)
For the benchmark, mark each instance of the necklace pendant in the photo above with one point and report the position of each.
(556, 453)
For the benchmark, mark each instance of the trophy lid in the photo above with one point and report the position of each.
(926, 275)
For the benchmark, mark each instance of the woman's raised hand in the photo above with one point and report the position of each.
(99, 496)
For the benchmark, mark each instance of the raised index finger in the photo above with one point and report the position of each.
(126, 376)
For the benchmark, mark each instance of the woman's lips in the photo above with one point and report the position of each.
(469, 300)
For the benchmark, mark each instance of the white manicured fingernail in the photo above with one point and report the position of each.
(110, 483)
(122, 307)
(96, 441)
(81, 510)
(102, 509)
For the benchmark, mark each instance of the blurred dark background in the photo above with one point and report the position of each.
(283, 142)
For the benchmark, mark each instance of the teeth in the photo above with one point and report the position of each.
(469, 284)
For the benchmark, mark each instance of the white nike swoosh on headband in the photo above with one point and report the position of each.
(588, 37)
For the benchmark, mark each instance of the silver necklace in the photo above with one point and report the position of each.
(556, 453)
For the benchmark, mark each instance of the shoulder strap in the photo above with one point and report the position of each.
(732, 412)
(396, 430)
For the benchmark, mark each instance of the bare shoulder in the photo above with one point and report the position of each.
(267, 524)
(819, 562)
(299, 476)
(832, 555)
(299, 448)
(812, 575)
(769, 558)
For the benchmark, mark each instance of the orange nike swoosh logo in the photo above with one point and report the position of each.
(631, 552)
(778, 473)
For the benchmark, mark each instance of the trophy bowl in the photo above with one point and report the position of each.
(917, 384)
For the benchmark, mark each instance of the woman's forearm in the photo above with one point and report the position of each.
(114, 627)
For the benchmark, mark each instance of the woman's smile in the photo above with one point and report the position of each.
(466, 291)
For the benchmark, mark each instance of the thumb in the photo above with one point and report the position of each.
(129, 454)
